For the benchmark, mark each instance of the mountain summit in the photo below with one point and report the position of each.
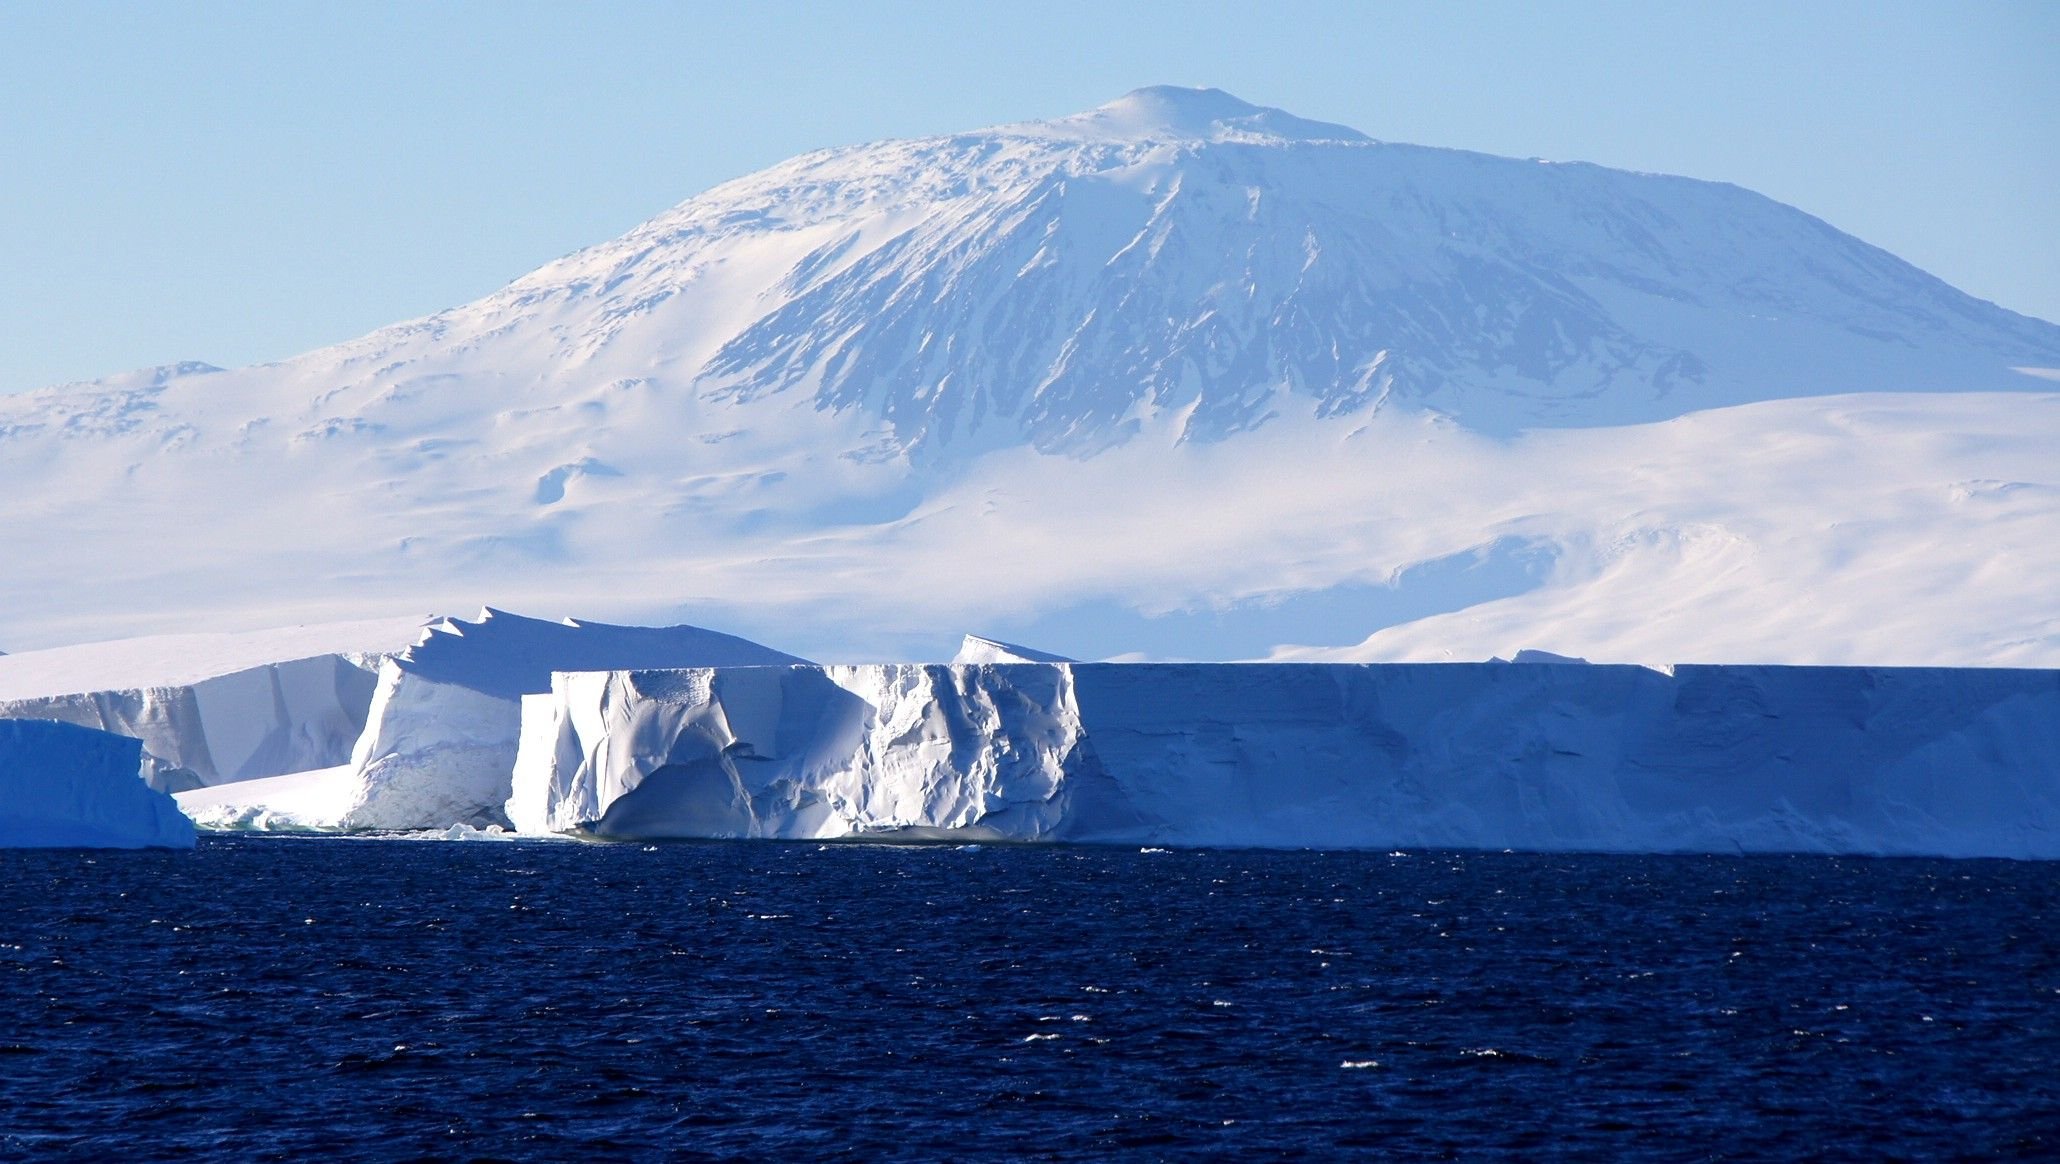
(1061, 282)
(751, 397)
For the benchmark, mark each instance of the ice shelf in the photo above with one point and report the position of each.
(1547, 756)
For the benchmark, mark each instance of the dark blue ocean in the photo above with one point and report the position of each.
(274, 998)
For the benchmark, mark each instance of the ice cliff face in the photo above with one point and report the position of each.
(214, 708)
(1543, 757)
(65, 786)
(805, 752)
(256, 722)
(444, 723)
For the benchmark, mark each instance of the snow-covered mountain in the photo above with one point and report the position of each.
(1179, 372)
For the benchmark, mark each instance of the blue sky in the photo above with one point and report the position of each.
(240, 182)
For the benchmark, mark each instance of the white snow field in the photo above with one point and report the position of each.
(440, 734)
(314, 801)
(214, 708)
(1179, 376)
(65, 786)
(1545, 756)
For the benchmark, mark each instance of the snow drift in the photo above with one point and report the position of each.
(65, 786)
(1544, 756)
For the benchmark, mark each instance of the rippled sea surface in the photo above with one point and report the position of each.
(395, 999)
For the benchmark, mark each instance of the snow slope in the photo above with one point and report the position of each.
(310, 801)
(1959, 762)
(65, 786)
(1178, 356)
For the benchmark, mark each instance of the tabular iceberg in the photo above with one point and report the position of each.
(1548, 756)
(249, 724)
(65, 786)
(440, 737)
(214, 709)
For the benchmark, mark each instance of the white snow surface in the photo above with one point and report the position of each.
(179, 660)
(975, 649)
(1179, 359)
(65, 786)
(311, 801)
(1953, 762)
(508, 655)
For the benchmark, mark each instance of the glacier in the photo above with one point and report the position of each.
(66, 786)
(1540, 756)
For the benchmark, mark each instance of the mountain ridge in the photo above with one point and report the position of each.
(1051, 283)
